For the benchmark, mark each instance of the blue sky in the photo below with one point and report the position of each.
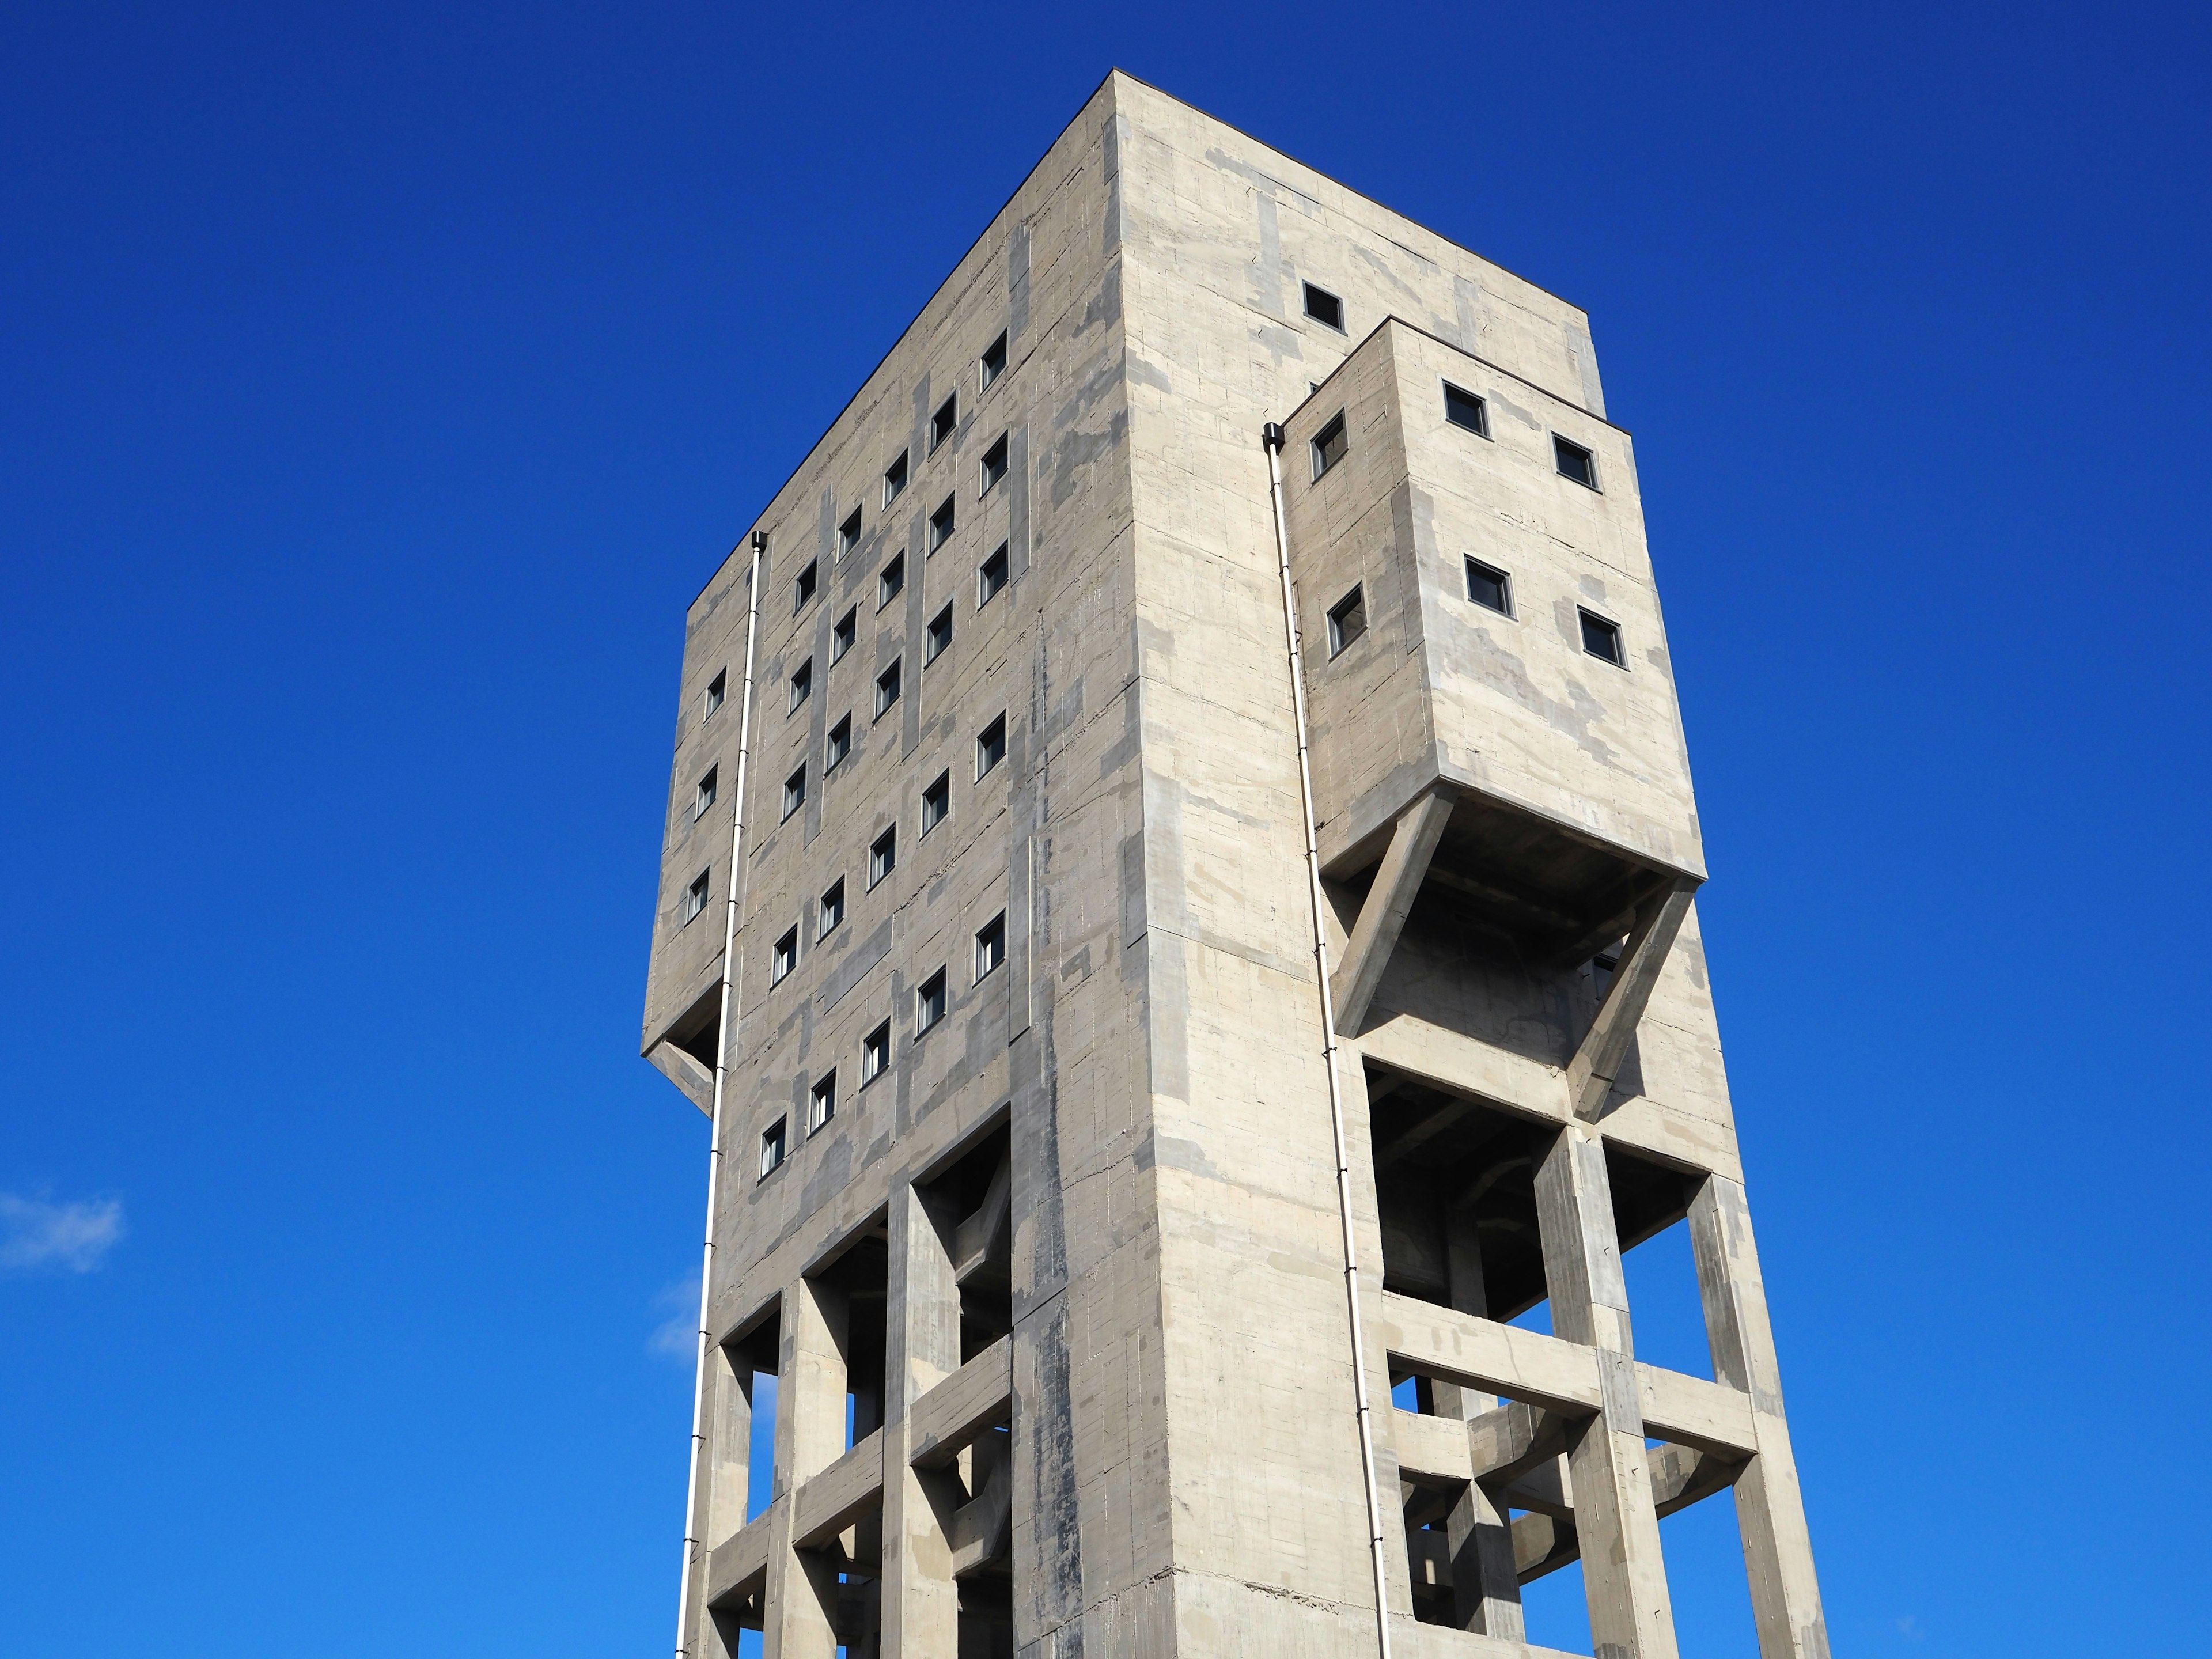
(380, 382)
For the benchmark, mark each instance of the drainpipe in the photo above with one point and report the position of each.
(1271, 439)
(684, 1612)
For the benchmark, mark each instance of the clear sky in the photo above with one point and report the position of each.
(380, 382)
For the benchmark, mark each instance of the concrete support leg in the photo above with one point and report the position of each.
(727, 1475)
(1777, 1549)
(810, 1435)
(1598, 1059)
(1389, 900)
(1486, 1588)
(1623, 1576)
(920, 1601)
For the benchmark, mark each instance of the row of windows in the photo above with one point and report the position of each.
(929, 1007)
(1465, 410)
(1491, 588)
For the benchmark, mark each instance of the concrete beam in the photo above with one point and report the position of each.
(839, 1495)
(1382, 917)
(1597, 1061)
(979, 1395)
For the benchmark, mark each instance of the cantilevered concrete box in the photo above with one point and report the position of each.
(1572, 783)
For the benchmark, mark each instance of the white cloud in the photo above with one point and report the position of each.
(72, 1237)
(677, 1336)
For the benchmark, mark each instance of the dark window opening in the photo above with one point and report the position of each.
(991, 576)
(802, 684)
(972, 1202)
(1347, 620)
(785, 957)
(938, 638)
(772, 1149)
(887, 689)
(875, 1053)
(718, 690)
(990, 946)
(705, 796)
(883, 855)
(795, 792)
(942, 422)
(929, 1003)
(936, 802)
(822, 1103)
(839, 745)
(1329, 444)
(1574, 461)
(833, 908)
(892, 581)
(841, 636)
(1488, 587)
(894, 479)
(1324, 307)
(802, 591)
(848, 534)
(1602, 639)
(994, 466)
(695, 895)
(1464, 409)
(941, 524)
(990, 745)
(994, 359)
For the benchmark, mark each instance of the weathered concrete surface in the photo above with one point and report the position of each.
(1179, 1466)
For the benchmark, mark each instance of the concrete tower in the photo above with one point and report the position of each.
(1027, 1209)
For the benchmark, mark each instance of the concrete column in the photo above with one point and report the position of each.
(810, 1435)
(920, 1601)
(1623, 1576)
(726, 1483)
(1770, 1511)
(1486, 1588)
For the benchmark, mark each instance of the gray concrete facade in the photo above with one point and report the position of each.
(1053, 1292)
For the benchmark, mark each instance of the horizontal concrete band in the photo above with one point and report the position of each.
(1544, 1370)
(976, 1397)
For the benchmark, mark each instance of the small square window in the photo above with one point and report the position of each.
(1489, 587)
(718, 691)
(994, 359)
(795, 792)
(1464, 409)
(705, 796)
(929, 1002)
(991, 745)
(771, 1149)
(848, 534)
(991, 576)
(1347, 620)
(822, 1103)
(990, 945)
(994, 465)
(887, 689)
(1329, 444)
(838, 745)
(875, 1053)
(1324, 307)
(833, 909)
(1574, 462)
(1602, 638)
(802, 685)
(802, 591)
(892, 582)
(936, 802)
(894, 479)
(942, 422)
(939, 637)
(785, 957)
(883, 855)
(941, 524)
(695, 895)
(842, 636)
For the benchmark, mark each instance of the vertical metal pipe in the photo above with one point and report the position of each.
(683, 1610)
(1271, 438)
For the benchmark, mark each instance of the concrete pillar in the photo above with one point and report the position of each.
(810, 1435)
(1623, 1576)
(1486, 1588)
(1777, 1548)
(920, 1601)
